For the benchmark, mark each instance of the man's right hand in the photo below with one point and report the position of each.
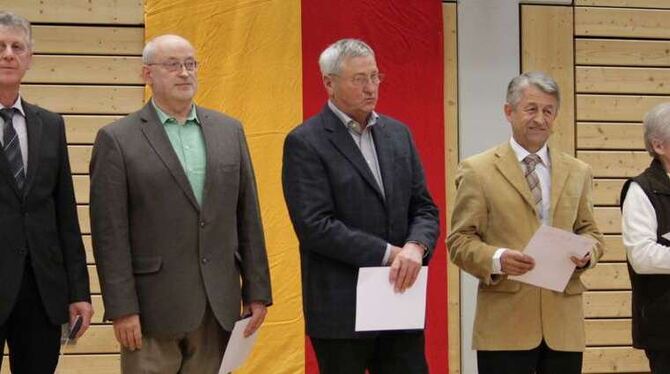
(516, 263)
(128, 331)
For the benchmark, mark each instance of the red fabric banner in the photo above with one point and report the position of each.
(408, 43)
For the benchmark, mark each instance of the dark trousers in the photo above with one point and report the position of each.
(388, 353)
(33, 341)
(541, 360)
(659, 361)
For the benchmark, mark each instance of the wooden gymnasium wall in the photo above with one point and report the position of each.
(87, 67)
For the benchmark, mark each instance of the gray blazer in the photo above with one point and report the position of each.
(158, 252)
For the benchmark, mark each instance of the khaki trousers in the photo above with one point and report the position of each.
(196, 352)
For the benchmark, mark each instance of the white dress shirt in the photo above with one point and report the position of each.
(639, 225)
(543, 171)
(19, 122)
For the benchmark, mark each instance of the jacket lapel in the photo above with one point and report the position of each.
(34, 127)
(559, 176)
(342, 140)
(155, 133)
(509, 167)
(385, 156)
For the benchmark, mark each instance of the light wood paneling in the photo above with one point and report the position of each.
(450, 56)
(622, 52)
(613, 304)
(608, 332)
(614, 249)
(606, 191)
(547, 45)
(88, 246)
(99, 40)
(98, 308)
(84, 220)
(83, 129)
(608, 219)
(78, 11)
(625, 3)
(610, 135)
(615, 163)
(607, 276)
(81, 188)
(631, 108)
(85, 99)
(84, 364)
(80, 156)
(93, 279)
(85, 70)
(622, 22)
(614, 360)
(624, 80)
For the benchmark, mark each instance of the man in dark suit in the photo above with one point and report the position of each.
(357, 197)
(177, 231)
(43, 276)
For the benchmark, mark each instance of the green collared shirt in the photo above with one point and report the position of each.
(189, 145)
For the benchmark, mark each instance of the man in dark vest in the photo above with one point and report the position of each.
(645, 201)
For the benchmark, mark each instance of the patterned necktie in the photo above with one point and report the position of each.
(12, 148)
(533, 180)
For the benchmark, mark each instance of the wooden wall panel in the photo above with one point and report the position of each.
(613, 52)
(546, 45)
(608, 332)
(86, 99)
(625, 3)
(78, 11)
(612, 304)
(614, 360)
(623, 80)
(82, 129)
(615, 163)
(90, 40)
(610, 135)
(621, 22)
(607, 276)
(607, 191)
(625, 108)
(85, 70)
(614, 249)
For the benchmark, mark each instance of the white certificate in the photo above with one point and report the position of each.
(551, 248)
(379, 307)
(238, 348)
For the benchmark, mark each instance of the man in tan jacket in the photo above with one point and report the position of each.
(503, 196)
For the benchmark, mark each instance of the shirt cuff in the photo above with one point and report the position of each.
(387, 254)
(496, 266)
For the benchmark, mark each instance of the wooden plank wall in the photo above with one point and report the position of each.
(87, 67)
(622, 56)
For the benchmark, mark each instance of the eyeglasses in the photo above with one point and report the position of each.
(362, 80)
(174, 65)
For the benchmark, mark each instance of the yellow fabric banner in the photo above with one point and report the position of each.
(251, 68)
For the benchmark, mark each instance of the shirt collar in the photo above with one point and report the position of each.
(164, 117)
(349, 122)
(521, 152)
(18, 105)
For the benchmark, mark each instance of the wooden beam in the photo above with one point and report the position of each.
(614, 249)
(614, 52)
(622, 22)
(615, 163)
(614, 360)
(608, 304)
(624, 80)
(80, 157)
(81, 188)
(607, 191)
(85, 99)
(659, 4)
(85, 70)
(83, 129)
(610, 135)
(608, 219)
(547, 45)
(607, 276)
(129, 12)
(608, 332)
(628, 108)
(98, 40)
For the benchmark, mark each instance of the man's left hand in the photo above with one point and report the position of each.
(83, 309)
(581, 262)
(258, 311)
(405, 267)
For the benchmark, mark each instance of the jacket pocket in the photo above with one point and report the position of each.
(505, 285)
(147, 264)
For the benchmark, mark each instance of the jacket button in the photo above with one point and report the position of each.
(22, 251)
(204, 260)
(202, 223)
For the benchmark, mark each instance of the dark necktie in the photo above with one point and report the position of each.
(12, 148)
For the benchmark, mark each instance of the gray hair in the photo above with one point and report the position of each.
(656, 126)
(14, 21)
(150, 48)
(331, 58)
(542, 81)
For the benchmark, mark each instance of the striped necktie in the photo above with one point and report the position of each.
(12, 148)
(533, 180)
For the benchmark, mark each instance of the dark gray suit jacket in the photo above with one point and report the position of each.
(342, 220)
(158, 252)
(41, 221)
